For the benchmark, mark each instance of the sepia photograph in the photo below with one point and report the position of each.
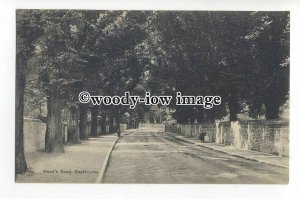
(152, 96)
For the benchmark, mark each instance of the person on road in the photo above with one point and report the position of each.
(201, 136)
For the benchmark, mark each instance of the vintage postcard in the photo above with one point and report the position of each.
(152, 96)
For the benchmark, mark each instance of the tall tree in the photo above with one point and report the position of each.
(58, 70)
(185, 58)
(28, 30)
(269, 37)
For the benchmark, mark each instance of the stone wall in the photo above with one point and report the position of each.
(274, 137)
(64, 128)
(123, 128)
(34, 134)
(265, 136)
(193, 130)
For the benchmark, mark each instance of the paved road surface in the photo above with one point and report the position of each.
(150, 156)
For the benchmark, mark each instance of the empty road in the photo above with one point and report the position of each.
(150, 156)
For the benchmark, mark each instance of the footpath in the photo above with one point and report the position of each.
(234, 151)
(80, 163)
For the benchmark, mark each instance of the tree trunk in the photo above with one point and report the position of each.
(118, 123)
(54, 139)
(118, 120)
(192, 119)
(94, 123)
(20, 162)
(211, 115)
(73, 127)
(83, 126)
(136, 124)
(103, 124)
(272, 110)
(200, 115)
(233, 106)
(111, 124)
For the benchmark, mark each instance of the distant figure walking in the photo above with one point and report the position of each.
(201, 136)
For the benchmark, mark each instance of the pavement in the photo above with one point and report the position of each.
(80, 163)
(234, 151)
